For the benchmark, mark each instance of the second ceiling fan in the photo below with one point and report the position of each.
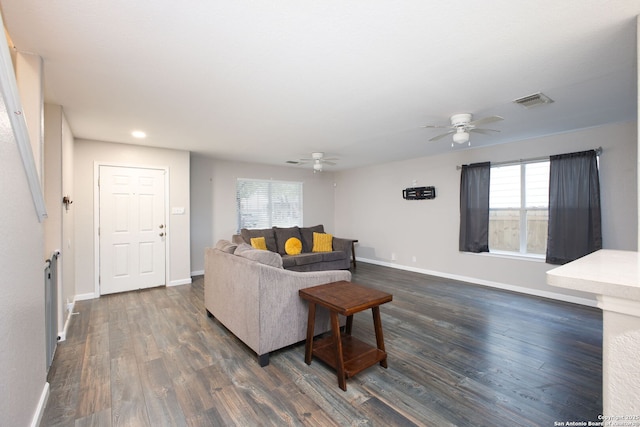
(319, 160)
(461, 125)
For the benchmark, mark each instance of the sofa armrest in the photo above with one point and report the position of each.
(345, 245)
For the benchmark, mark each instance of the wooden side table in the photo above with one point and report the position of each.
(353, 252)
(344, 353)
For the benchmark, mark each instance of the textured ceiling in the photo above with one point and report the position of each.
(273, 81)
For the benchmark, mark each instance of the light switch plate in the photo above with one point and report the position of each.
(177, 210)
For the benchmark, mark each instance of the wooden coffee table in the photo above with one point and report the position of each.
(346, 354)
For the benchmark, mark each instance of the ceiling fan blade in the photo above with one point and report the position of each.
(483, 131)
(435, 127)
(328, 163)
(435, 138)
(485, 120)
(330, 158)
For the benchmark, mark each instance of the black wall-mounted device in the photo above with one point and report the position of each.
(419, 193)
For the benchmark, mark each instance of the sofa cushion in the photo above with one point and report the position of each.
(293, 246)
(267, 233)
(226, 246)
(307, 236)
(322, 242)
(282, 235)
(333, 256)
(308, 258)
(263, 257)
(288, 261)
(258, 243)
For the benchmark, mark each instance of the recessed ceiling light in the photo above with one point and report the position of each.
(138, 134)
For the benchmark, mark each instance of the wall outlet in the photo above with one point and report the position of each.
(413, 258)
(69, 307)
(393, 256)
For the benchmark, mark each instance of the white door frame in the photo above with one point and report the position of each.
(96, 216)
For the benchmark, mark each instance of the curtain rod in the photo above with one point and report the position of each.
(531, 159)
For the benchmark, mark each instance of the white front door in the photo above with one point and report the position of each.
(132, 228)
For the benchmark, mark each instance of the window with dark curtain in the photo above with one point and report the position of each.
(474, 207)
(574, 207)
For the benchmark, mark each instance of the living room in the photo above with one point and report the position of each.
(353, 203)
(363, 202)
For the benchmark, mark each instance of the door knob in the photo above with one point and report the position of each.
(161, 234)
(161, 226)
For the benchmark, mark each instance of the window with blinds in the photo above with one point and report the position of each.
(265, 204)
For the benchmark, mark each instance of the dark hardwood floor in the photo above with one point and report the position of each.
(458, 354)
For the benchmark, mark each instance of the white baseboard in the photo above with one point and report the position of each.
(83, 297)
(197, 273)
(488, 283)
(62, 335)
(42, 403)
(179, 282)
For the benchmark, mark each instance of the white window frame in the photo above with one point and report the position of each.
(269, 206)
(523, 209)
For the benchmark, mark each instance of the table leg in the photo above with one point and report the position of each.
(377, 324)
(347, 328)
(308, 346)
(353, 253)
(335, 327)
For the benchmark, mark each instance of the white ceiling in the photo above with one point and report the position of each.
(271, 81)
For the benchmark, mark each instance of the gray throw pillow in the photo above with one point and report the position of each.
(267, 233)
(307, 236)
(284, 234)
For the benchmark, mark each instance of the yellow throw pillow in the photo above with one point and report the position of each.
(293, 246)
(322, 242)
(259, 243)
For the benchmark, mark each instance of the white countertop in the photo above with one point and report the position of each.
(604, 272)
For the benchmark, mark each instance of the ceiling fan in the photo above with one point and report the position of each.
(462, 125)
(319, 160)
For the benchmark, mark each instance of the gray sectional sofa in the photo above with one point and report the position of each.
(249, 292)
(338, 259)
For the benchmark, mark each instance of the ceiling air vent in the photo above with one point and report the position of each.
(533, 100)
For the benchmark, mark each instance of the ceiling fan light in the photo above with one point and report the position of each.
(461, 137)
(317, 167)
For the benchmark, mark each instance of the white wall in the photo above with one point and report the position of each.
(22, 353)
(58, 182)
(213, 193)
(68, 248)
(86, 155)
(369, 207)
(30, 79)
(201, 210)
(53, 178)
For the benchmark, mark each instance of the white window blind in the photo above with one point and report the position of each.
(265, 204)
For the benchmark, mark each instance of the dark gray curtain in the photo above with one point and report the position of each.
(474, 207)
(574, 207)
